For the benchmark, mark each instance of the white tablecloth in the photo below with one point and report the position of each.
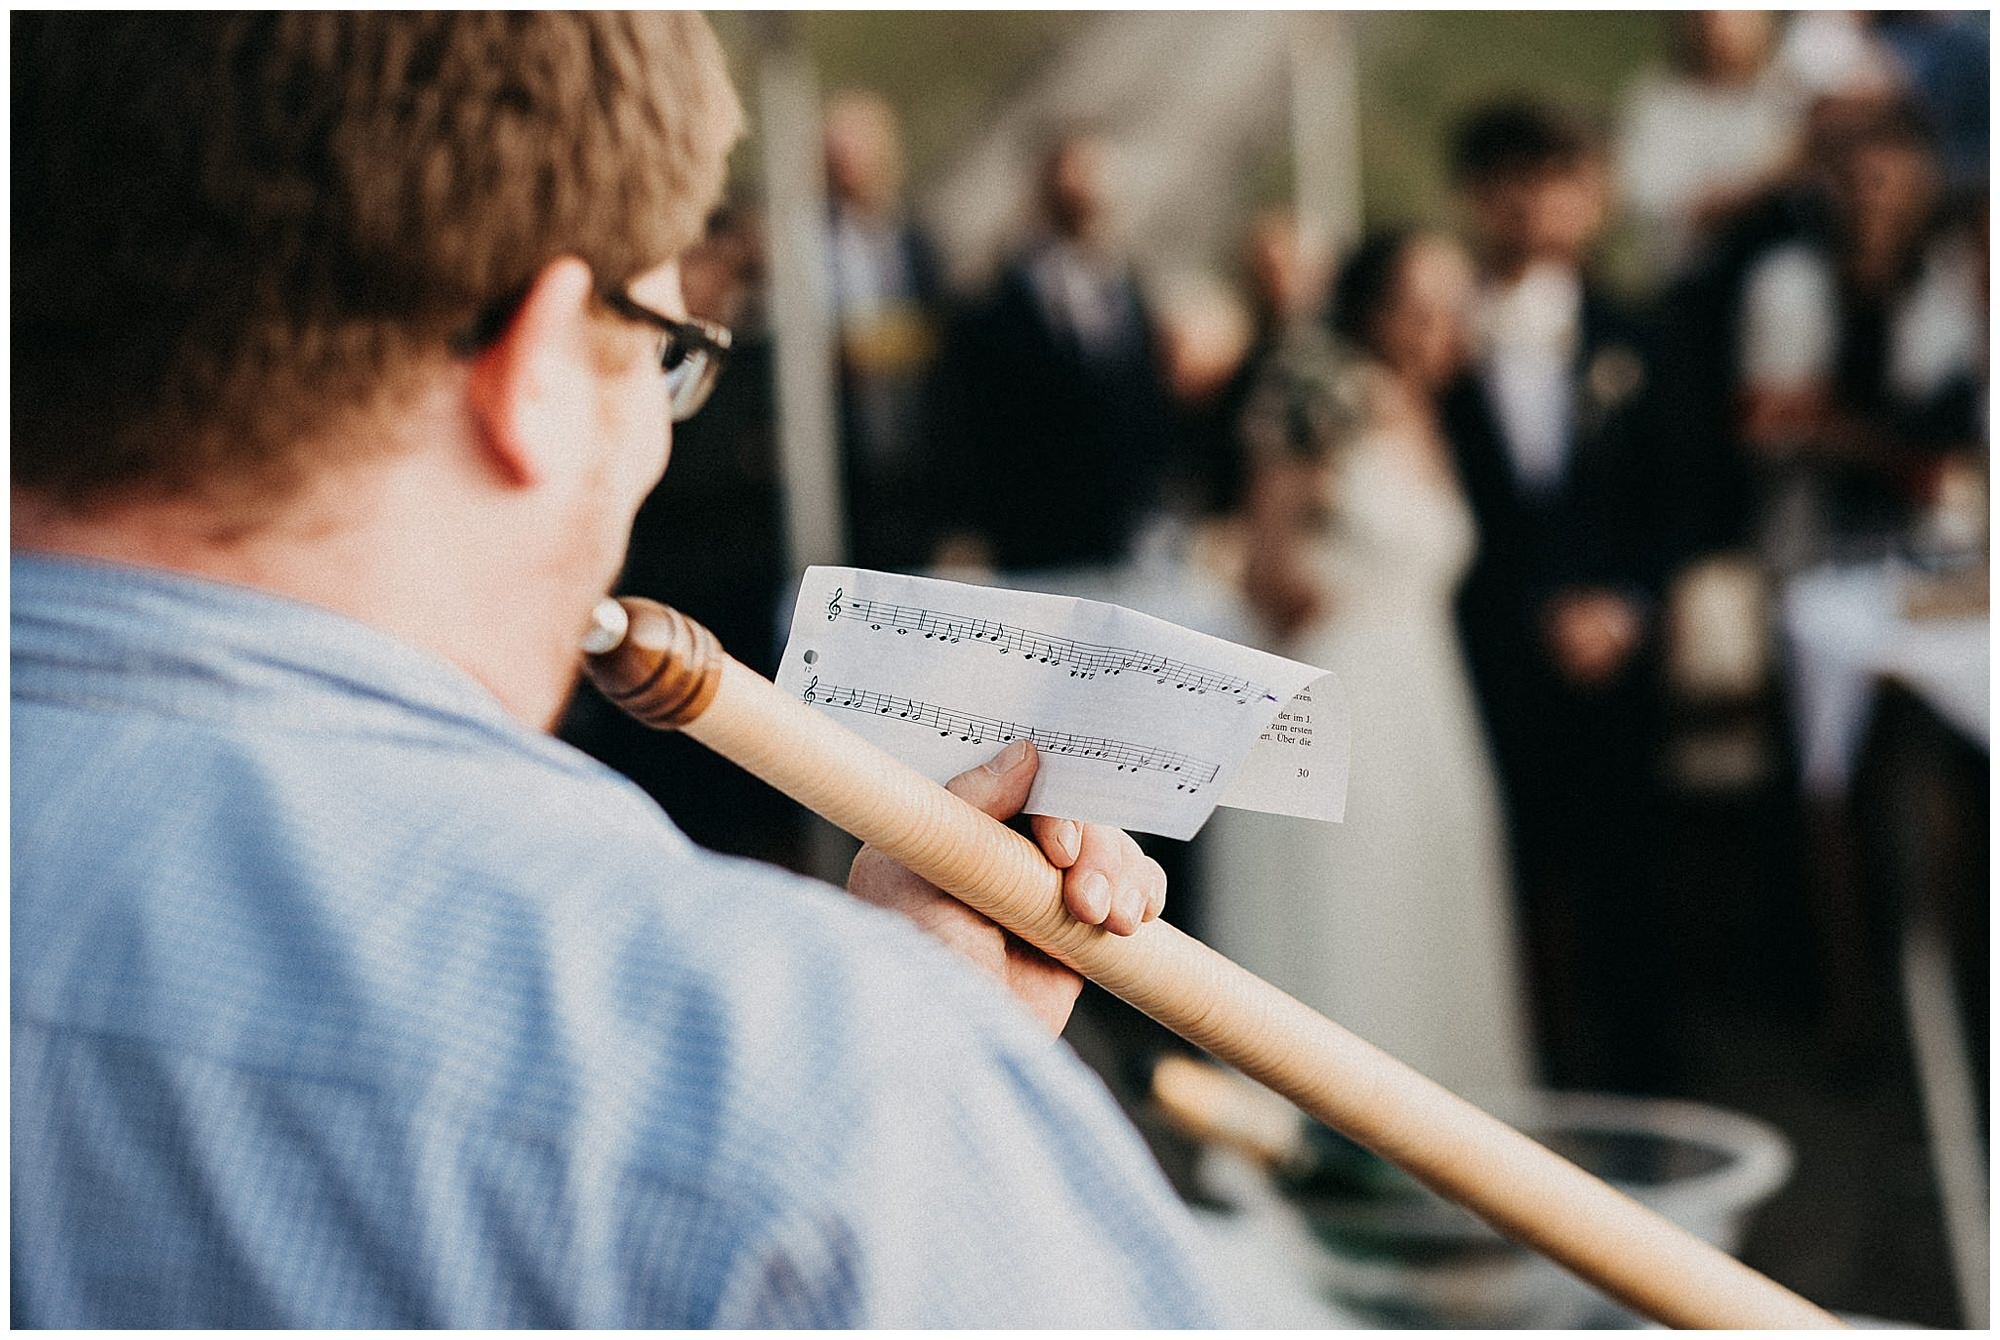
(1846, 633)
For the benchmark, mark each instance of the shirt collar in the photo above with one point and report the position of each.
(1541, 310)
(122, 633)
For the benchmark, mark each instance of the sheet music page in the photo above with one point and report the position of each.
(1140, 723)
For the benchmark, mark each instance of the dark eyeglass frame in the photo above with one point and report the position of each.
(692, 352)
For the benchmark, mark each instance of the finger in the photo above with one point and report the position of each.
(1000, 785)
(1144, 880)
(1109, 875)
(1060, 839)
(1046, 987)
(1090, 885)
(1129, 891)
(1156, 889)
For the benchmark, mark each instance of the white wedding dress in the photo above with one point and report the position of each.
(1399, 922)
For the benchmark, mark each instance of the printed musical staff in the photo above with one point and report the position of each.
(1083, 660)
(1187, 774)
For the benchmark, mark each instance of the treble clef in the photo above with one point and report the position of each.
(833, 605)
(810, 695)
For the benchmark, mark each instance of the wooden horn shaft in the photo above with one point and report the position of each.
(669, 671)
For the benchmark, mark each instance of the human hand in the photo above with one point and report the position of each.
(1284, 597)
(1287, 508)
(963, 552)
(1780, 423)
(1592, 634)
(1107, 881)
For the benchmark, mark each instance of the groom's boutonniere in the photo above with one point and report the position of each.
(1613, 376)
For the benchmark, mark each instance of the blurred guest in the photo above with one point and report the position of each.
(1287, 268)
(888, 300)
(1836, 53)
(1701, 328)
(1702, 139)
(1862, 347)
(710, 539)
(1205, 333)
(1290, 266)
(1557, 612)
(1946, 64)
(1837, 354)
(1398, 922)
(1059, 378)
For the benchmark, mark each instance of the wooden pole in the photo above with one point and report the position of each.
(801, 307)
(802, 321)
(1323, 79)
(669, 671)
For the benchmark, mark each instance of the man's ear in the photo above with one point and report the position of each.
(529, 390)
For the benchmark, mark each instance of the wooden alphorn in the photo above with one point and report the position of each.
(670, 672)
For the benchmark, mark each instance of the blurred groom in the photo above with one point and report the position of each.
(1550, 428)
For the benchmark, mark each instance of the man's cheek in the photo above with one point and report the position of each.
(652, 466)
(640, 425)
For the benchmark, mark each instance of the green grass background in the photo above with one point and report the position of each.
(1419, 72)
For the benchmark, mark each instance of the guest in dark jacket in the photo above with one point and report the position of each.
(1549, 429)
(1058, 377)
(1860, 346)
(888, 307)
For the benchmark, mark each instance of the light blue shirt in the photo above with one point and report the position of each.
(341, 1000)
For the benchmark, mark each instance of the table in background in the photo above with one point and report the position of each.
(1895, 723)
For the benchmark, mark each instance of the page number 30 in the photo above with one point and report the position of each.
(1305, 772)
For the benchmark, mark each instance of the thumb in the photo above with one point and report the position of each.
(1000, 785)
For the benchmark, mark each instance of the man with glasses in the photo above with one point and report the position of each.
(342, 994)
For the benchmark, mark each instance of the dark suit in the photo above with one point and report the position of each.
(1063, 442)
(890, 469)
(1574, 762)
(1063, 445)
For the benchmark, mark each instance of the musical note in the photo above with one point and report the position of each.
(1083, 660)
(1188, 774)
(1144, 724)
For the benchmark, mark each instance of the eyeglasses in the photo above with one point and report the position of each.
(692, 352)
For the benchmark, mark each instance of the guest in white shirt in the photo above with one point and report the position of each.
(1701, 139)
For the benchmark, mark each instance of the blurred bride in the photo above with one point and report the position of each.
(1399, 922)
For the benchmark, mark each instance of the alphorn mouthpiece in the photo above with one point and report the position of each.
(651, 661)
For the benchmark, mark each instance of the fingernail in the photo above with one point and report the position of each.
(1068, 837)
(1008, 759)
(1096, 893)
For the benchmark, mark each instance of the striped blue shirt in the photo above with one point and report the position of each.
(342, 1000)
